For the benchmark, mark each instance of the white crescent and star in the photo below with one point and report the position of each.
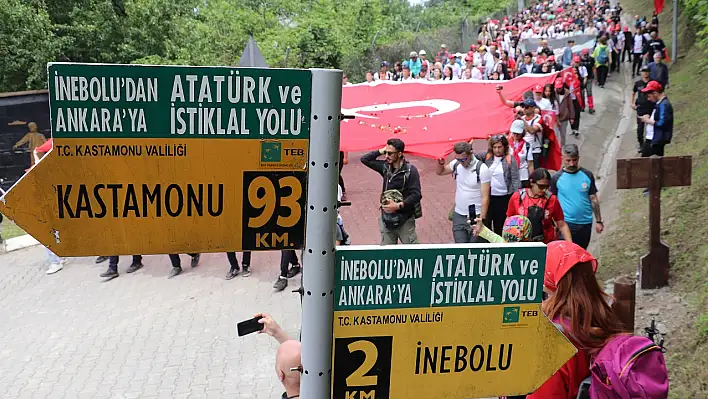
(441, 106)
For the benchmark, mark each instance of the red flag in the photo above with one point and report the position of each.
(658, 6)
(429, 117)
(553, 159)
(571, 79)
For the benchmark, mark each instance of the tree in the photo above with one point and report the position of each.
(319, 33)
(26, 44)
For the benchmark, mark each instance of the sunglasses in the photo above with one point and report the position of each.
(497, 137)
(391, 152)
(542, 186)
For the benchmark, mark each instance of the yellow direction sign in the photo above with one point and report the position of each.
(444, 321)
(150, 160)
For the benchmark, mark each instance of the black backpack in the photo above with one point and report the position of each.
(535, 215)
(477, 168)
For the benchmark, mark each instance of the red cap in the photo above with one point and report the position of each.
(469, 58)
(652, 86)
(561, 256)
(538, 89)
(472, 47)
(626, 28)
(585, 51)
(451, 56)
(558, 84)
(576, 58)
(470, 53)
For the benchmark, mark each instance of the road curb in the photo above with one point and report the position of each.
(17, 243)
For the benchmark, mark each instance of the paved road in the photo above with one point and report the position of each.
(141, 336)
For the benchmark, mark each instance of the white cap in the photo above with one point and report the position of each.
(422, 52)
(517, 126)
(414, 54)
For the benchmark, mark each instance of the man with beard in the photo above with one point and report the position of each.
(576, 191)
(400, 194)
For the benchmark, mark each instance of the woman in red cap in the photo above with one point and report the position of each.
(580, 306)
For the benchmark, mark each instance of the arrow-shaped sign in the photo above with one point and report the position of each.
(450, 321)
(150, 160)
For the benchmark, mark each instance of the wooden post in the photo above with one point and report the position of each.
(654, 173)
(623, 306)
(655, 264)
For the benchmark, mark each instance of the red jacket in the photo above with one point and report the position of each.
(565, 382)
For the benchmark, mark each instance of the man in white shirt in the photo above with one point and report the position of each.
(405, 73)
(521, 150)
(473, 181)
(533, 129)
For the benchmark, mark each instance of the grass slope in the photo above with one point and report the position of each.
(683, 209)
(9, 229)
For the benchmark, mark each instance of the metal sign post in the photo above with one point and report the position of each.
(318, 257)
(674, 33)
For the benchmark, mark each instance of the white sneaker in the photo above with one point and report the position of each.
(55, 267)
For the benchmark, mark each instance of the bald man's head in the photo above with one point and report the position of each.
(289, 355)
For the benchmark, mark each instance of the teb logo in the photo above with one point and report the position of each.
(270, 151)
(511, 314)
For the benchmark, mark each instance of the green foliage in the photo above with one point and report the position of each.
(26, 44)
(699, 10)
(293, 33)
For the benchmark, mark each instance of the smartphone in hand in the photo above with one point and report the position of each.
(472, 213)
(249, 326)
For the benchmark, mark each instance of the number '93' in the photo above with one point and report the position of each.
(264, 193)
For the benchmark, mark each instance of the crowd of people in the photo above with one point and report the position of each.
(502, 53)
(504, 194)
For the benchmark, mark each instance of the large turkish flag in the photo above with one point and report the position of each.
(430, 117)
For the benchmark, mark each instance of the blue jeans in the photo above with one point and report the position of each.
(52, 257)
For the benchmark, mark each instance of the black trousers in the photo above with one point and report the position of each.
(496, 214)
(233, 261)
(576, 119)
(627, 50)
(287, 257)
(602, 71)
(176, 262)
(615, 61)
(636, 63)
(640, 131)
(341, 165)
(650, 149)
(113, 260)
(581, 233)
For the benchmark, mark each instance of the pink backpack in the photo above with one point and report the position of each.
(629, 367)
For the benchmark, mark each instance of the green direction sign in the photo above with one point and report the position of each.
(135, 101)
(139, 161)
(442, 321)
(436, 276)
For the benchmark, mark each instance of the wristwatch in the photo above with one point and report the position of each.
(599, 221)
